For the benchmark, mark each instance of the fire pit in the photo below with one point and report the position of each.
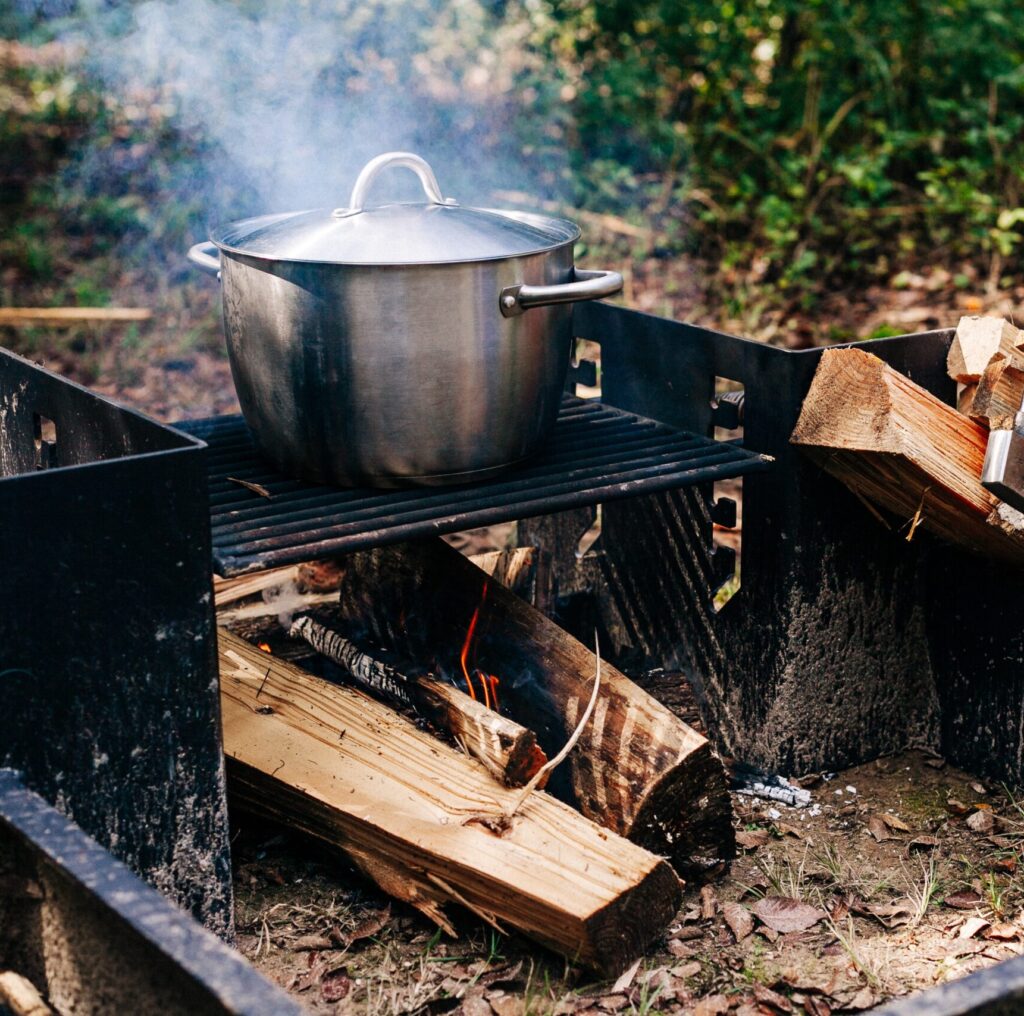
(824, 656)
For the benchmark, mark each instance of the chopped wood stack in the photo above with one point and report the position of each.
(637, 769)
(898, 447)
(428, 824)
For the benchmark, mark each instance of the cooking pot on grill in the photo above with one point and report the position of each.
(400, 343)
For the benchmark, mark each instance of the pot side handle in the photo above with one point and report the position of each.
(205, 256)
(515, 300)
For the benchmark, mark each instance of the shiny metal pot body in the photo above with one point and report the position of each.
(385, 375)
(398, 344)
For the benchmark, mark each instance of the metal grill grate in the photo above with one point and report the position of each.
(595, 454)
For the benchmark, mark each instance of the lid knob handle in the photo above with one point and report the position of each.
(390, 160)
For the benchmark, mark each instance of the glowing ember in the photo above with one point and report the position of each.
(265, 646)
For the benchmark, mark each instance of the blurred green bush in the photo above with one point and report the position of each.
(830, 136)
(824, 141)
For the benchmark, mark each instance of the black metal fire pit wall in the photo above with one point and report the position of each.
(108, 683)
(95, 939)
(844, 641)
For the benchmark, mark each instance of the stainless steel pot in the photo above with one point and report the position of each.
(399, 344)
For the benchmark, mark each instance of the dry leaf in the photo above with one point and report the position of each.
(335, 985)
(972, 926)
(765, 996)
(1003, 932)
(505, 976)
(935, 763)
(979, 788)
(955, 807)
(689, 934)
(1007, 864)
(680, 949)
(750, 839)
(965, 899)
(712, 1005)
(784, 914)
(687, 970)
(981, 822)
(1002, 842)
(840, 908)
(817, 1007)
(513, 1005)
(476, 1005)
(626, 978)
(708, 903)
(879, 830)
(891, 915)
(864, 999)
(790, 830)
(769, 933)
(894, 822)
(739, 920)
(371, 925)
(922, 843)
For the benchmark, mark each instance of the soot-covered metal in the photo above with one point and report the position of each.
(108, 694)
(595, 454)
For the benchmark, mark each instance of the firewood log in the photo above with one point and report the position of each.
(412, 814)
(897, 445)
(637, 769)
(977, 340)
(998, 397)
(506, 749)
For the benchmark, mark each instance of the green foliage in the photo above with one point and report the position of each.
(827, 141)
(821, 133)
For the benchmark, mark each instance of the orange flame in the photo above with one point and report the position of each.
(488, 682)
(464, 655)
(265, 646)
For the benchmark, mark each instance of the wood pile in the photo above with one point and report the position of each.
(420, 749)
(901, 449)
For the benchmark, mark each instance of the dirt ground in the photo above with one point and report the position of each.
(900, 874)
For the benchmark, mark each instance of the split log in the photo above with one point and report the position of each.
(506, 749)
(522, 570)
(894, 443)
(637, 769)
(965, 395)
(65, 317)
(20, 997)
(977, 340)
(344, 768)
(998, 398)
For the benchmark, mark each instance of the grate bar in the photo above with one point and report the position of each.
(595, 454)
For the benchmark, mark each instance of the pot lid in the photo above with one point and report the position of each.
(436, 231)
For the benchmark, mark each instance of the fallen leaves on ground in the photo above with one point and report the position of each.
(751, 839)
(708, 903)
(982, 822)
(879, 830)
(965, 899)
(739, 919)
(785, 914)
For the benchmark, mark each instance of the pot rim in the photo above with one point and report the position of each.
(574, 234)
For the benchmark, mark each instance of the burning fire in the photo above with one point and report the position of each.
(488, 682)
(265, 646)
